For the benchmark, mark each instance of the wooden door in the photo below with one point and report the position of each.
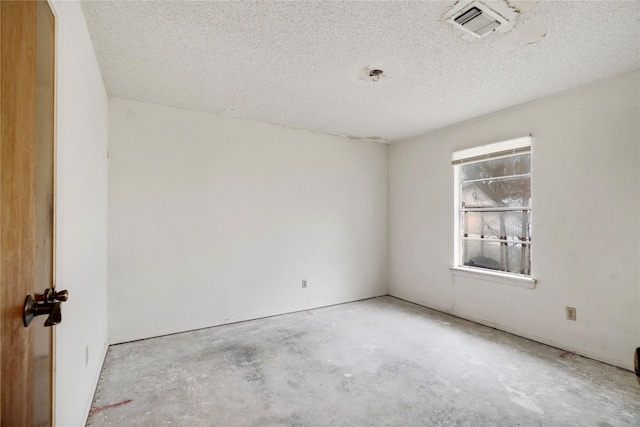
(26, 208)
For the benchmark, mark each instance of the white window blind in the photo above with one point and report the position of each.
(497, 149)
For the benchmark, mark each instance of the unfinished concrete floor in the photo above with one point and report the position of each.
(378, 362)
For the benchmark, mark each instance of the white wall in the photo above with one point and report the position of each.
(214, 220)
(81, 227)
(586, 204)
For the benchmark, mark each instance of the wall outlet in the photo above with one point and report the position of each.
(304, 283)
(571, 313)
(86, 355)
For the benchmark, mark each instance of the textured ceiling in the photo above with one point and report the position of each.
(297, 63)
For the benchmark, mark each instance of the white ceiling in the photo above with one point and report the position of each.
(296, 63)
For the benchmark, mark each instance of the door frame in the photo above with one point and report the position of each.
(54, 271)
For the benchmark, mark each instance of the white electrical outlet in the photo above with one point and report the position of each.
(571, 313)
(304, 283)
(86, 355)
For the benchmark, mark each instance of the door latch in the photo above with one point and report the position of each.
(47, 303)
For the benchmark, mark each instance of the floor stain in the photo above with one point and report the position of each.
(113, 405)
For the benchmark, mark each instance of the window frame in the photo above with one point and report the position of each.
(486, 152)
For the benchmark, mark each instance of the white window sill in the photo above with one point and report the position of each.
(494, 276)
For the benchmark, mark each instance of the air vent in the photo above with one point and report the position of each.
(477, 20)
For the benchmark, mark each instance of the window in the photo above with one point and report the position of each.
(493, 207)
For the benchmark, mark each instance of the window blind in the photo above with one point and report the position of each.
(496, 149)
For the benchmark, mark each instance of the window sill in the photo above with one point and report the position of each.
(494, 276)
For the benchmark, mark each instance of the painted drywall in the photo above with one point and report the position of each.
(81, 216)
(215, 220)
(586, 203)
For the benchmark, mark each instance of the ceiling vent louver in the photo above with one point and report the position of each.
(478, 20)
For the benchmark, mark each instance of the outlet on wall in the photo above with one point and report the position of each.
(304, 283)
(86, 355)
(571, 313)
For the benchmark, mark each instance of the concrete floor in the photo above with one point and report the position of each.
(378, 362)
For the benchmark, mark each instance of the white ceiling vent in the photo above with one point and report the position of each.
(478, 20)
